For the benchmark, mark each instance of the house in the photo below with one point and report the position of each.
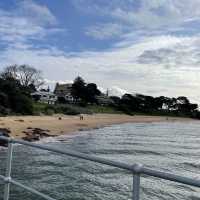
(63, 91)
(44, 97)
(104, 100)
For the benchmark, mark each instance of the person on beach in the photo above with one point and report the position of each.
(81, 117)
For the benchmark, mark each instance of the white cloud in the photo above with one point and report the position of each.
(18, 29)
(35, 13)
(185, 53)
(113, 91)
(104, 31)
(116, 91)
(150, 14)
(120, 67)
(161, 13)
(26, 22)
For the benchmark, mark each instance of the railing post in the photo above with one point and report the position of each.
(8, 171)
(136, 181)
(136, 187)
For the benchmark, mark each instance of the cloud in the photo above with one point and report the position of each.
(113, 91)
(18, 29)
(122, 66)
(184, 53)
(150, 14)
(116, 91)
(28, 21)
(104, 31)
(160, 13)
(36, 13)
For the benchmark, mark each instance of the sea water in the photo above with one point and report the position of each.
(170, 146)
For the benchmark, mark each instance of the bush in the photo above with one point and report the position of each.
(4, 111)
(103, 109)
(14, 98)
(49, 112)
(60, 108)
(67, 110)
(3, 99)
(196, 115)
(23, 105)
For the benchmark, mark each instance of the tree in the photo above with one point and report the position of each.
(193, 107)
(27, 75)
(10, 72)
(78, 89)
(13, 98)
(129, 103)
(183, 100)
(116, 100)
(159, 101)
(166, 103)
(184, 105)
(92, 88)
(84, 93)
(91, 93)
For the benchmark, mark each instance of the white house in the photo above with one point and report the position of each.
(44, 97)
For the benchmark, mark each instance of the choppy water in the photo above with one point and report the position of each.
(171, 147)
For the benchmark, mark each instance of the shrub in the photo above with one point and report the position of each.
(49, 112)
(70, 111)
(4, 111)
(196, 115)
(61, 108)
(22, 104)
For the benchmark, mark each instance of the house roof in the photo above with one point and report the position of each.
(63, 88)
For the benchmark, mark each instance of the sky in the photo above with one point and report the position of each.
(137, 46)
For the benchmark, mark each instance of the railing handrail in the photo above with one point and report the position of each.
(135, 169)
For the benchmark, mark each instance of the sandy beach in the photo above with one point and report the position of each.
(19, 126)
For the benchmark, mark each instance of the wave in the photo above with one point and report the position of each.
(193, 165)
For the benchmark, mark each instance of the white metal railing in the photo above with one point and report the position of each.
(136, 170)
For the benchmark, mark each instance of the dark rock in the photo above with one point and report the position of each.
(35, 134)
(31, 138)
(4, 132)
(19, 120)
(29, 128)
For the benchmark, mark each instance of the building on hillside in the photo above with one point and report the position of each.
(63, 91)
(104, 100)
(44, 97)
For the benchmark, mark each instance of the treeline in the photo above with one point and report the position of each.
(17, 82)
(130, 104)
(139, 103)
(16, 85)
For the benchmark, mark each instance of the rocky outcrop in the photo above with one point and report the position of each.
(35, 134)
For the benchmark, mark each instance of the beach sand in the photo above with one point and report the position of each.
(19, 125)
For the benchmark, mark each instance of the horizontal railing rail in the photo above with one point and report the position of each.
(136, 169)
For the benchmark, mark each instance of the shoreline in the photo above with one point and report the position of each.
(21, 127)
